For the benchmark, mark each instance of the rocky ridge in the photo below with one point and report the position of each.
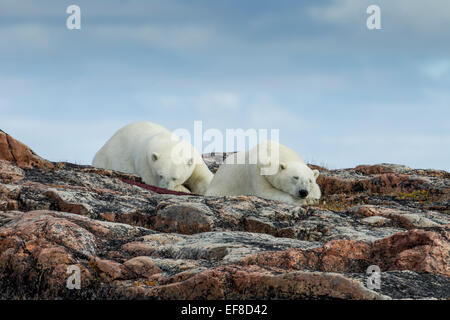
(132, 241)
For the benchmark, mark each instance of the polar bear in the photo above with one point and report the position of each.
(290, 179)
(158, 156)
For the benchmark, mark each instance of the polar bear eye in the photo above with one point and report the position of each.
(173, 179)
(295, 177)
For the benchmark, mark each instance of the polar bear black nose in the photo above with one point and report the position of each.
(303, 193)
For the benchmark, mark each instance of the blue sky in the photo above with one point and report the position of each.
(340, 94)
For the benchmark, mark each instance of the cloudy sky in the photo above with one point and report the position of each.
(340, 94)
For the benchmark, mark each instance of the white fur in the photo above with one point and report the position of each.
(157, 156)
(237, 178)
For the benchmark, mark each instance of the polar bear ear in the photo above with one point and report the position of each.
(283, 166)
(155, 156)
(316, 173)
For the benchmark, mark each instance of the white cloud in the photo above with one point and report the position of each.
(436, 69)
(27, 37)
(26, 8)
(338, 11)
(426, 17)
(160, 36)
(99, 9)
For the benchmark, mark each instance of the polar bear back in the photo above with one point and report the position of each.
(236, 178)
(157, 155)
(270, 148)
(119, 152)
(242, 174)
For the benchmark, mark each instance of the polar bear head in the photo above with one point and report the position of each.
(171, 164)
(296, 179)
